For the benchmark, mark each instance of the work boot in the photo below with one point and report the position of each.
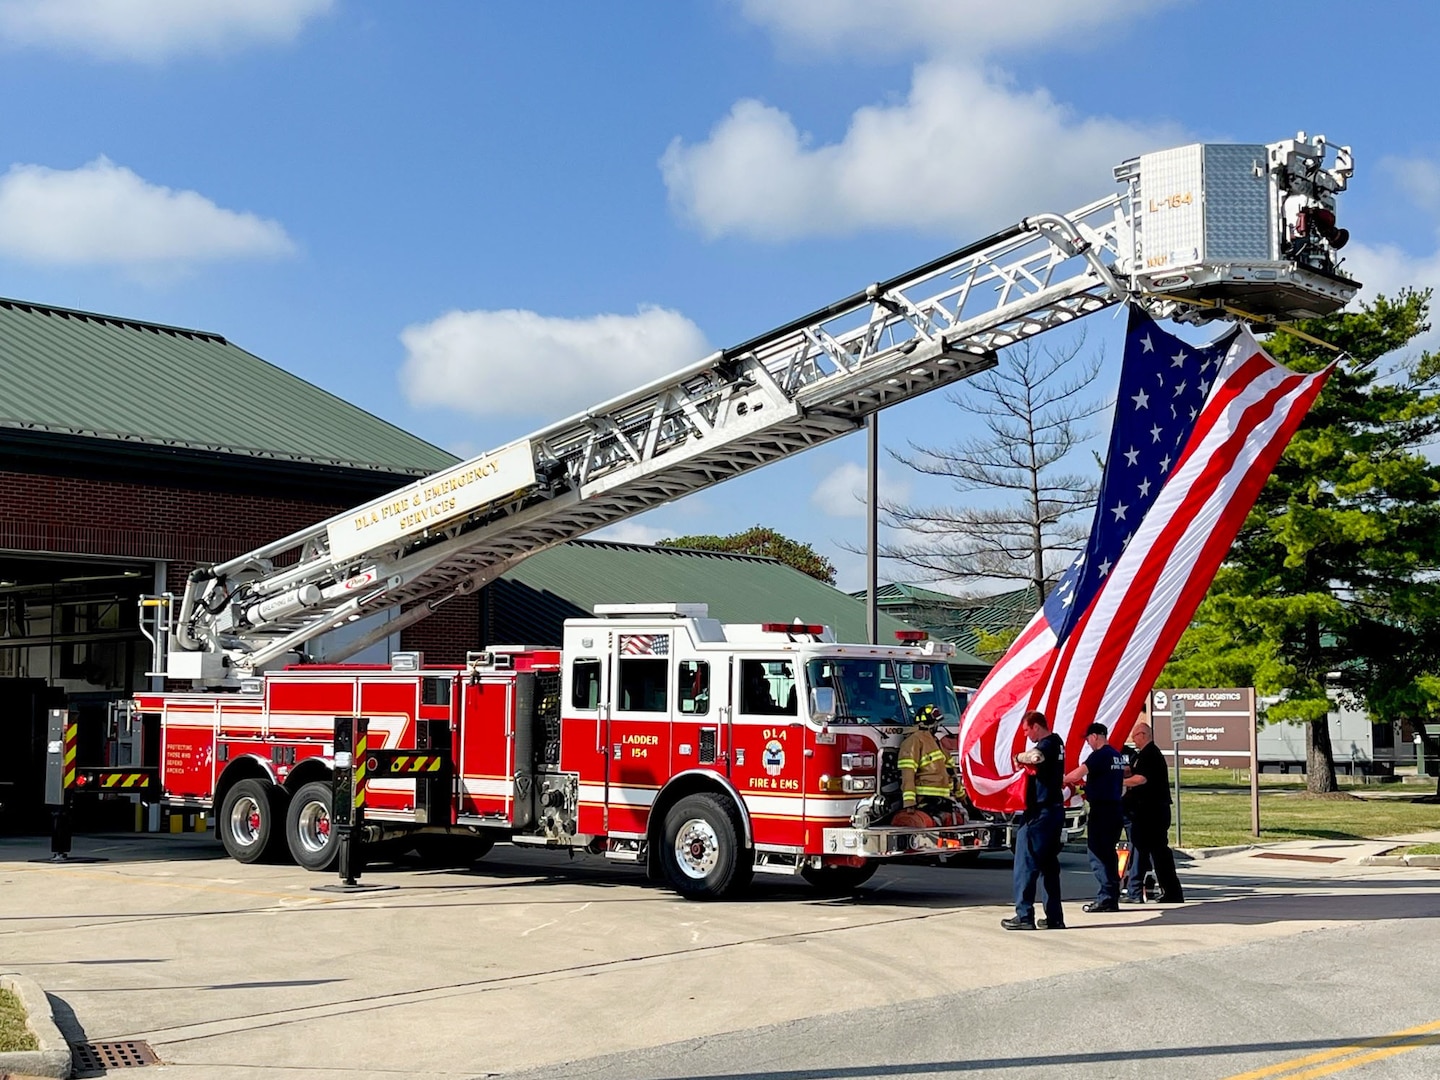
(1018, 923)
(1046, 924)
(1096, 905)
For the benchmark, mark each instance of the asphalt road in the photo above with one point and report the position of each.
(567, 968)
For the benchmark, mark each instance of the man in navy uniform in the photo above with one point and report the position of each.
(1042, 826)
(1104, 775)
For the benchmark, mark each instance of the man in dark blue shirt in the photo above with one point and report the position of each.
(1104, 775)
(1147, 798)
(1042, 827)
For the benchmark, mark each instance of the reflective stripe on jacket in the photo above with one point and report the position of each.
(924, 768)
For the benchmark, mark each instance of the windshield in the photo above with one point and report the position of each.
(885, 691)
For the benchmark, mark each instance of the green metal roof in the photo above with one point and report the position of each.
(958, 619)
(77, 373)
(528, 604)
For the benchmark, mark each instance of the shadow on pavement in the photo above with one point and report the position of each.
(1033, 1064)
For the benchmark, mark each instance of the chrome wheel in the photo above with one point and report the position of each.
(244, 821)
(697, 848)
(312, 827)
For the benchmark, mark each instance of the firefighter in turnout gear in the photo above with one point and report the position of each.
(925, 769)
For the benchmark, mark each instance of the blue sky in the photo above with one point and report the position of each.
(423, 207)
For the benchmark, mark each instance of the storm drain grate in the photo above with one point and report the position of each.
(1297, 858)
(96, 1058)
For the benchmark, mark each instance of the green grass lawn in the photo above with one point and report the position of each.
(14, 1035)
(1419, 849)
(1219, 820)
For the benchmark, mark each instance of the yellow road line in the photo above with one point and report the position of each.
(1405, 1038)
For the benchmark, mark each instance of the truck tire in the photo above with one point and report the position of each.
(701, 853)
(307, 827)
(839, 880)
(450, 852)
(249, 824)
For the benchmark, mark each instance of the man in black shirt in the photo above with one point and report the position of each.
(1147, 803)
(1103, 773)
(1038, 840)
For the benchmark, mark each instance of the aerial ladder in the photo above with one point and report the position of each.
(1196, 232)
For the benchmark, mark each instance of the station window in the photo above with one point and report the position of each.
(767, 688)
(693, 687)
(585, 684)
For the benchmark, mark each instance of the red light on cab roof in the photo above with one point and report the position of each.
(908, 636)
(792, 628)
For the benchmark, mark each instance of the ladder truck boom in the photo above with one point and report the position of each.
(1195, 230)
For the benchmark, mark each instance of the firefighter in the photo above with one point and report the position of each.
(925, 770)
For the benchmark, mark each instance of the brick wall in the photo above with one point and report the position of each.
(110, 517)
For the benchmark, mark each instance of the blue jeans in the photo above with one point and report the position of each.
(1102, 834)
(1037, 858)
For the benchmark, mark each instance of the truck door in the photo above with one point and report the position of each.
(769, 748)
(700, 731)
(639, 728)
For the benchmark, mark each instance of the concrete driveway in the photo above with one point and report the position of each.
(533, 959)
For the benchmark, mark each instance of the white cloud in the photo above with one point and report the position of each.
(153, 30)
(938, 27)
(519, 362)
(1417, 177)
(631, 532)
(104, 214)
(841, 494)
(965, 151)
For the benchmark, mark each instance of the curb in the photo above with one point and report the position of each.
(53, 1057)
(1215, 852)
(1422, 861)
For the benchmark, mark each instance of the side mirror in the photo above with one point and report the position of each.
(822, 704)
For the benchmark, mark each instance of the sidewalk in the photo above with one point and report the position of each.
(1341, 852)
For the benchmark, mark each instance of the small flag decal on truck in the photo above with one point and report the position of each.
(644, 644)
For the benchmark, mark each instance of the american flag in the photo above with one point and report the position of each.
(1197, 431)
(644, 644)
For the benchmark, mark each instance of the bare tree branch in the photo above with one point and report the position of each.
(1033, 410)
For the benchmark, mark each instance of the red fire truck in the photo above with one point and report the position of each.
(655, 735)
(707, 751)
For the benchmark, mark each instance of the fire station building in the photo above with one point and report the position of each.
(126, 460)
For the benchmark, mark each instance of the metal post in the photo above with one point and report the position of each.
(1178, 721)
(1254, 770)
(59, 779)
(347, 809)
(872, 527)
(1177, 793)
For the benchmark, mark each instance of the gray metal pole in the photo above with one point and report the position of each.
(872, 528)
(1177, 792)
(1254, 770)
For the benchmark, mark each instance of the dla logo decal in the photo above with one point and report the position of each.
(774, 759)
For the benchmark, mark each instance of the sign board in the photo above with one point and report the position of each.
(1177, 720)
(434, 501)
(1217, 725)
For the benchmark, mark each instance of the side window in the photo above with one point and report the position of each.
(585, 684)
(767, 688)
(692, 690)
(642, 685)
